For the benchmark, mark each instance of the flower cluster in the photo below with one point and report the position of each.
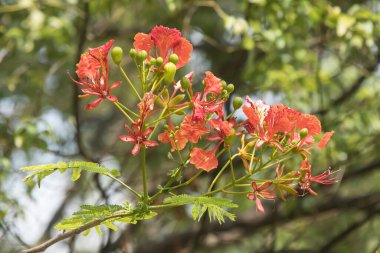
(192, 120)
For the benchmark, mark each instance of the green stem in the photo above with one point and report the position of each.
(227, 186)
(187, 182)
(127, 109)
(220, 173)
(123, 184)
(155, 126)
(171, 113)
(129, 82)
(231, 166)
(143, 164)
(236, 193)
(124, 112)
(163, 206)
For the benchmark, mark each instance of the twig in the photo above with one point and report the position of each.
(65, 235)
(342, 235)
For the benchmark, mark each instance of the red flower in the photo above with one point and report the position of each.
(261, 192)
(138, 136)
(166, 41)
(92, 71)
(265, 121)
(307, 179)
(213, 84)
(325, 139)
(201, 107)
(176, 140)
(204, 159)
(192, 130)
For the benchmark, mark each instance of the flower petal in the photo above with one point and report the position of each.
(143, 42)
(94, 104)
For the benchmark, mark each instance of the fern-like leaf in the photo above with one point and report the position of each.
(42, 171)
(214, 206)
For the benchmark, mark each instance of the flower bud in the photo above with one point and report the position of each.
(185, 83)
(166, 127)
(141, 56)
(230, 88)
(173, 58)
(304, 132)
(152, 61)
(169, 72)
(224, 84)
(117, 55)
(237, 102)
(159, 61)
(132, 53)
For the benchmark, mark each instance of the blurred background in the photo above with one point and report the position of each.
(318, 56)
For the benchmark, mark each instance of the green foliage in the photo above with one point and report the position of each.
(42, 171)
(105, 215)
(214, 206)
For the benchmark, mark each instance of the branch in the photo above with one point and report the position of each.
(347, 94)
(82, 33)
(341, 236)
(42, 247)
(252, 225)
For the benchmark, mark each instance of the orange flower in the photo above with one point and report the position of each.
(166, 41)
(92, 71)
(204, 159)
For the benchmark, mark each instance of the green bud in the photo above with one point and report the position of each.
(303, 133)
(166, 127)
(224, 84)
(169, 72)
(152, 61)
(237, 102)
(185, 83)
(159, 61)
(173, 58)
(132, 53)
(230, 88)
(141, 55)
(117, 55)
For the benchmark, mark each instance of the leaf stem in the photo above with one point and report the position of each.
(221, 172)
(129, 81)
(143, 171)
(124, 112)
(123, 184)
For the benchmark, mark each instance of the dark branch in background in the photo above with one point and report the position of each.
(362, 171)
(348, 93)
(82, 33)
(353, 227)
(70, 193)
(248, 227)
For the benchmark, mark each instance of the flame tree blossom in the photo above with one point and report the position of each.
(92, 71)
(162, 42)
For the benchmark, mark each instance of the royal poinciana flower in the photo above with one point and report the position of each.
(92, 71)
(262, 192)
(204, 159)
(306, 178)
(203, 104)
(162, 42)
(213, 84)
(192, 130)
(138, 136)
(271, 123)
(173, 136)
